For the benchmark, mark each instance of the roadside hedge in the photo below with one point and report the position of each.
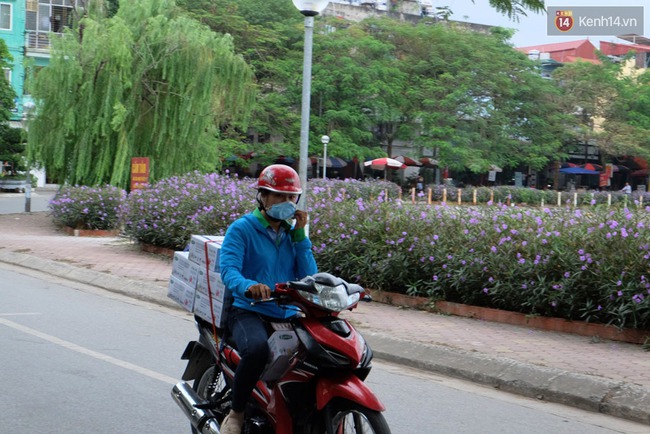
(588, 262)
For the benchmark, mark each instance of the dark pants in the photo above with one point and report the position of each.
(249, 332)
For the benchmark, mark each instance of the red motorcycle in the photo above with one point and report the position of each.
(312, 385)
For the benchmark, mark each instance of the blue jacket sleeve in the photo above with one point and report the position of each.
(305, 262)
(231, 260)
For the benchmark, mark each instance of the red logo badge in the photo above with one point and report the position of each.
(564, 20)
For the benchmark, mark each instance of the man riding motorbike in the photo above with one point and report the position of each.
(259, 250)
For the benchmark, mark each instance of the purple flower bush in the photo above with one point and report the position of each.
(588, 264)
(81, 207)
(167, 213)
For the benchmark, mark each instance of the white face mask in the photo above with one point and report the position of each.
(282, 211)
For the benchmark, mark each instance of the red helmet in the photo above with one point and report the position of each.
(279, 179)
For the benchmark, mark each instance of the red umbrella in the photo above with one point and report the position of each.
(640, 172)
(619, 168)
(385, 163)
(591, 166)
(407, 160)
(632, 163)
(639, 162)
(429, 162)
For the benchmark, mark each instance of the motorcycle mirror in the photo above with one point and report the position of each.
(307, 286)
(327, 279)
(353, 288)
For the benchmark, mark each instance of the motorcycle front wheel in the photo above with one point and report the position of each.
(350, 418)
(211, 386)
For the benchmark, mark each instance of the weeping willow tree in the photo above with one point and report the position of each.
(147, 82)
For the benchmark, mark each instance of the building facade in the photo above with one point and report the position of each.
(27, 27)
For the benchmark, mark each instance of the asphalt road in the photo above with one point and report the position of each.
(77, 359)
(13, 203)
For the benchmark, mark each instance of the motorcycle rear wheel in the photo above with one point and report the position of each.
(208, 384)
(351, 418)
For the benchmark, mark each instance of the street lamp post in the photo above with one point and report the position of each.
(309, 9)
(28, 106)
(325, 140)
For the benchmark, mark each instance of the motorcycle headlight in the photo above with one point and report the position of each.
(333, 298)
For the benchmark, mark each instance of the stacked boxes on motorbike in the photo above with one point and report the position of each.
(196, 278)
(196, 275)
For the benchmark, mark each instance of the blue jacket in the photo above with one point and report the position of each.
(249, 255)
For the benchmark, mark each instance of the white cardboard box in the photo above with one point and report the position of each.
(181, 293)
(217, 287)
(283, 344)
(202, 309)
(197, 250)
(184, 269)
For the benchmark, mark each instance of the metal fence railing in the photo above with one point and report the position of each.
(39, 40)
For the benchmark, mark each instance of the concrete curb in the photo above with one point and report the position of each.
(135, 289)
(587, 392)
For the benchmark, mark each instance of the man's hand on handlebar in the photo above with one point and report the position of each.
(259, 291)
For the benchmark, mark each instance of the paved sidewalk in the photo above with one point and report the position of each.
(602, 376)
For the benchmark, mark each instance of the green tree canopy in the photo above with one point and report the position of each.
(11, 139)
(627, 123)
(467, 95)
(514, 8)
(146, 82)
(7, 94)
(361, 83)
(609, 108)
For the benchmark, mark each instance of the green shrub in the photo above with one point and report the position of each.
(590, 262)
(81, 207)
(581, 264)
(168, 213)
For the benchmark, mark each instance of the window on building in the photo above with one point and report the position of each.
(49, 15)
(5, 16)
(7, 74)
(44, 17)
(61, 18)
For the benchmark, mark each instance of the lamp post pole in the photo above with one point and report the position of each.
(325, 140)
(304, 114)
(27, 108)
(309, 9)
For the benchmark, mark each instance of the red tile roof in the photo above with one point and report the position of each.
(618, 49)
(566, 52)
(558, 46)
(571, 59)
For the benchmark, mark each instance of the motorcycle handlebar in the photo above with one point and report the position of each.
(280, 288)
(307, 284)
(255, 301)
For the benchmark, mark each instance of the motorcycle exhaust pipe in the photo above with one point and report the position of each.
(201, 420)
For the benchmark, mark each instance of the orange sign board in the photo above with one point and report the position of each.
(139, 172)
(609, 170)
(603, 180)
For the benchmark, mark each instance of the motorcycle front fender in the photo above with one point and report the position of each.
(198, 359)
(349, 387)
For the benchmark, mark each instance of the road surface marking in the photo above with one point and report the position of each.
(82, 350)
